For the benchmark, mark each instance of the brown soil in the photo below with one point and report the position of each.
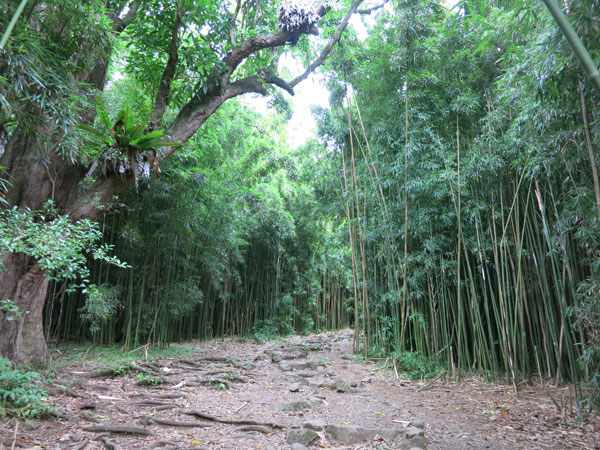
(244, 395)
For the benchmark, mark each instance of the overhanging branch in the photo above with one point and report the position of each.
(164, 88)
(329, 46)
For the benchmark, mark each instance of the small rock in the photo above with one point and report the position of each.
(31, 425)
(338, 386)
(304, 437)
(298, 446)
(295, 406)
(306, 374)
(418, 424)
(294, 387)
(366, 380)
(303, 381)
(316, 425)
(89, 405)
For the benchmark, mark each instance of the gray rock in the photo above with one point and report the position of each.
(285, 366)
(418, 424)
(303, 381)
(316, 425)
(298, 446)
(294, 387)
(31, 425)
(352, 434)
(349, 434)
(306, 374)
(366, 380)
(296, 406)
(304, 437)
(338, 386)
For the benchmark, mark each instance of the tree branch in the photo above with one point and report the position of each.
(218, 87)
(367, 11)
(325, 53)
(253, 45)
(164, 88)
(122, 23)
(271, 78)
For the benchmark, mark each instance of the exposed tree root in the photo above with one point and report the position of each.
(205, 416)
(147, 420)
(10, 442)
(89, 417)
(83, 444)
(118, 429)
(144, 403)
(259, 428)
(114, 372)
(110, 444)
(157, 396)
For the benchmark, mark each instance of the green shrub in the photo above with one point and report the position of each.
(415, 365)
(21, 393)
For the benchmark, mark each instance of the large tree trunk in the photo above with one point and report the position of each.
(34, 180)
(22, 338)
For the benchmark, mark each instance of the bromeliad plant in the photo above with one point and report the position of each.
(123, 145)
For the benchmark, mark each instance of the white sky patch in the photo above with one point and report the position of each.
(310, 92)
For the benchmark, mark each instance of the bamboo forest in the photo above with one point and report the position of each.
(409, 187)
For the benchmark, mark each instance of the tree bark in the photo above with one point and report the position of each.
(22, 338)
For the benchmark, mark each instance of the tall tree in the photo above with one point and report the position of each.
(190, 55)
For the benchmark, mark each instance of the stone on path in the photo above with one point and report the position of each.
(304, 437)
(316, 425)
(411, 437)
(296, 406)
(298, 446)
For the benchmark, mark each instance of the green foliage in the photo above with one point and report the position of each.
(60, 246)
(415, 365)
(148, 379)
(101, 305)
(21, 393)
(10, 309)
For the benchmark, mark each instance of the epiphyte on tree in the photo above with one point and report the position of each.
(297, 15)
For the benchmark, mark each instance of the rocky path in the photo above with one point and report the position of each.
(295, 394)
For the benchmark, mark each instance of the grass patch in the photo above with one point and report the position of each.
(113, 355)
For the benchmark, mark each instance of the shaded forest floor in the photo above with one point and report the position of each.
(302, 392)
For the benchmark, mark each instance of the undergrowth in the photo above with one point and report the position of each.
(415, 365)
(114, 356)
(22, 393)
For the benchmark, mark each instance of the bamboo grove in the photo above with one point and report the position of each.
(449, 206)
(466, 153)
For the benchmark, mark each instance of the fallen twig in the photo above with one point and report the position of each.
(14, 442)
(438, 376)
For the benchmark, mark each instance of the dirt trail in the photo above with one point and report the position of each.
(305, 392)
